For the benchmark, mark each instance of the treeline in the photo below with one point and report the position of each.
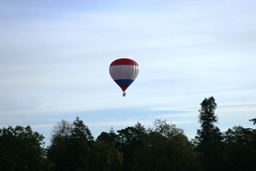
(162, 147)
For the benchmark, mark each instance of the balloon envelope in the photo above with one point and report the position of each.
(124, 71)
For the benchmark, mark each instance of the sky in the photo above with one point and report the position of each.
(55, 57)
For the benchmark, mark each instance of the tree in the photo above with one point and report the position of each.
(169, 148)
(21, 149)
(207, 118)
(110, 138)
(81, 141)
(129, 140)
(253, 120)
(105, 156)
(70, 146)
(163, 147)
(209, 137)
(58, 151)
(241, 145)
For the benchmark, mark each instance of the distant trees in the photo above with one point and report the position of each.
(162, 147)
(134, 148)
(165, 147)
(21, 150)
(241, 148)
(234, 149)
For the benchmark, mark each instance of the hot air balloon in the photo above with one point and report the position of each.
(124, 71)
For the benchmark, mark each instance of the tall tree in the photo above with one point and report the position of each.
(209, 138)
(207, 118)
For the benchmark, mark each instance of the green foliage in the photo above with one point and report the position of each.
(104, 155)
(171, 149)
(207, 118)
(134, 148)
(129, 139)
(241, 148)
(80, 144)
(21, 149)
(59, 150)
(213, 155)
(163, 147)
(110, 138)
(70, 146)
(210, 147)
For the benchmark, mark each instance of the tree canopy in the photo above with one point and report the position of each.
(22, 149)
(162, 146)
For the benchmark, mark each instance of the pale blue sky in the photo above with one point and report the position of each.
(55, 55)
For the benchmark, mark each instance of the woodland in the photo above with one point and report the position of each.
(162, 147)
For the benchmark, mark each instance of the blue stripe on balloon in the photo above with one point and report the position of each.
(124, 82)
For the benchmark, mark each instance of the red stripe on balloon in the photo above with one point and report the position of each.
(124, 88)
(124, 61)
